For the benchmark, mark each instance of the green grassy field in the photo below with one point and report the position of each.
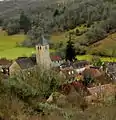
(89, 57)
(9, 49)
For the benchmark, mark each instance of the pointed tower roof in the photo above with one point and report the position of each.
(43, 41)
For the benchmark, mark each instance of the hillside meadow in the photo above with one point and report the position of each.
(106, 46)
(9, 48)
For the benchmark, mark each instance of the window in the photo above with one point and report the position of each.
(72, 72)
(46, 47)
(69, 73)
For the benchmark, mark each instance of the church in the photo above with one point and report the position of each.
(43, 54)
(41, 58)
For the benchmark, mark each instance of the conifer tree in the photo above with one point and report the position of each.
(70, 50)
(25, 23)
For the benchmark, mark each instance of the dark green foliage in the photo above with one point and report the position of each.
(25, 22)
(56, 13)
(13, 28)
(88, 79)
(1, 21)
(34, 83)
(4, 24)
(70, 50)
(80, 49)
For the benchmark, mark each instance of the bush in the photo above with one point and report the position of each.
(13, 28)
(80, 50)
(44, 83)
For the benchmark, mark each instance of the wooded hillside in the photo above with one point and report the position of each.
(88, 21)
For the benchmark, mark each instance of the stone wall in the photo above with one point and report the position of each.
(14, 68)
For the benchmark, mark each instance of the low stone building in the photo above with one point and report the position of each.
(99, 93)
(21, 64)
(78, 66)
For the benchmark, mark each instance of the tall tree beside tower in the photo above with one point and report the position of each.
(70, 50)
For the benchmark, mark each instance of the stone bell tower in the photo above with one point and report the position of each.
(42, 54)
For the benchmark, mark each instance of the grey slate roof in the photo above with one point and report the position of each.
(75, 65)
(26, 62)
(43, 41)
(80, 64)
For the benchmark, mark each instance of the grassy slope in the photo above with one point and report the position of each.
(107, 45)
(8, 47)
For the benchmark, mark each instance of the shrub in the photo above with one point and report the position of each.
(35, 82)
(13, 28)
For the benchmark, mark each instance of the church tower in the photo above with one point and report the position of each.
(42, 54)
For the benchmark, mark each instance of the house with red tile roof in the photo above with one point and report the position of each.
(99, 92)
(56, 60)
(93, 72)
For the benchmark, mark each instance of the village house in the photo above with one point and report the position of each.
(93, 72)
(42, 59)
(74, 67)
(68, 92)
(80, 66)
(101, 92)
(56, 60)
(21, 64)
(72, 91)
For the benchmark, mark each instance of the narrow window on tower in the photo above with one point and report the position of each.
(46, 47)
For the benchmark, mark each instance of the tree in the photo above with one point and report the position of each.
(44, 83)
(56, 13)
(13, 28)
(70, 50)
(88, 79)
(4, 24)
(1, 21)
(25, 23)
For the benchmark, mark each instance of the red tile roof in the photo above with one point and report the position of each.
(5, 62)
(66, 88)
(93, 72)
(56, 58)
(77, 84)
